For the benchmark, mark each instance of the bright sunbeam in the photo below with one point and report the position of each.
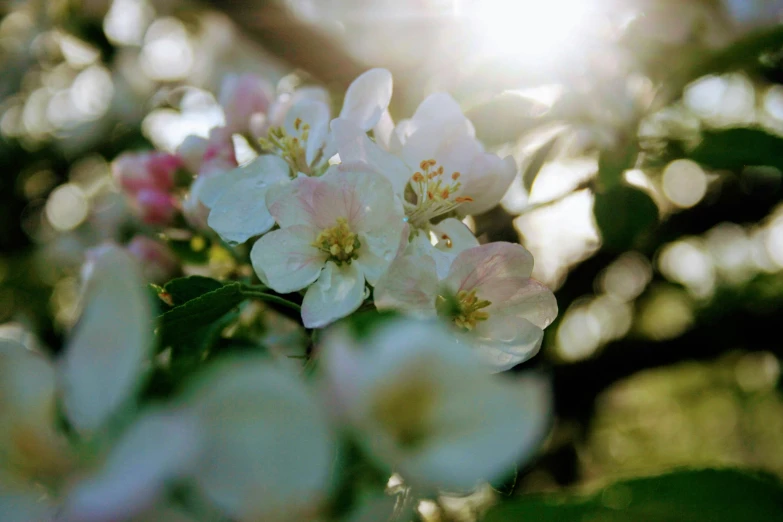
(527, 29)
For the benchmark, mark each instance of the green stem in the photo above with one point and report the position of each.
(271, 298)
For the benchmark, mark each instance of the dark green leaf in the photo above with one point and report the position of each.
(184, 289)
(623, 214)
(182, 324)
(537, 161)
(733, 149)
(682, 496)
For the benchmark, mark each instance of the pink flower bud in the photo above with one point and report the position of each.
(158, 262)
(242, 96)
(135, 171)
(156, 207)
(215, 153)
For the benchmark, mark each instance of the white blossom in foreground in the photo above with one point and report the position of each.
(95, 380)
(434, 161)
(267, 447)
(336, 233)
(488, 295)
(421, 404)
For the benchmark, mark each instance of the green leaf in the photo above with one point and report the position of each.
(623, 214)
(682, 496)
(184, 289)
(537, 161)
(184, 323)
(733, 149)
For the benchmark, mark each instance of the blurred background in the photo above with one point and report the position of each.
(649, 135)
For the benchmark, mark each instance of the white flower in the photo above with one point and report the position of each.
(336, 233)
(420, 404)
(488, 294)
(242, 97)
(267, 451)
(433, 160)
(300, 144)
(95, 380)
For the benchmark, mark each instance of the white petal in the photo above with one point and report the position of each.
(486, 182)
(107, 351)
(367, 98)
(268, 449)
(504, 341)
(266, 168)
(454, 237)
(338, 292)
(383, 130)
(315, 114)
(241, 212)
(355, 147)
(157, 449)
(410, 286)
(440, 110)
(287, 258)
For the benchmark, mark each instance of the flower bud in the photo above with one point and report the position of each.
(156, 207)
(136, 171)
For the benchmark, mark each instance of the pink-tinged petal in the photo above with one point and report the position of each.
(338, 292)
(486, 181)
(503, 341)
(367, 98)
(293, 203)
(410, 286)
(287, 258)
(157, 260)
(315, 114)
(497, 271)
(157, 449)
(355, 147)
(110, 346)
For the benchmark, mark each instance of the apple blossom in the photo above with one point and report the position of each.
(488, 295)
(268, 448)
(151, 170)
(419, 403)
(158, 263)
(433, 160)
(336, 233)
(156, 207)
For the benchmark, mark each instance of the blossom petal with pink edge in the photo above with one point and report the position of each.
(410, 285)
(499, 269)
(288, 259)
(367, 98)
(338, 292)
(242, 96)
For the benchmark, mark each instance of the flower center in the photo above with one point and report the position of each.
(465, 308)
(291, 148)
(430, 193)
(339, 242)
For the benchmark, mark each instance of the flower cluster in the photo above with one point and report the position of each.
(203, 416)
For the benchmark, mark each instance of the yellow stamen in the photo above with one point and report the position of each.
(339, 242)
